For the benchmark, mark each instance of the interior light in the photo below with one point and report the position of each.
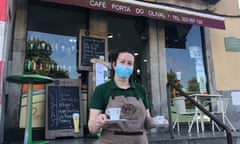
(72, 40)
(136, 54)
(145, 60)
(110, 36)
(138, 71)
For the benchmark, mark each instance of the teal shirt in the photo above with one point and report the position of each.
(99, 99)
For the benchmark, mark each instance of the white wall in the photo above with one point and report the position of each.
(226, 63)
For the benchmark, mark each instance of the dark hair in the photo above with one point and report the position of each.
(114, 56)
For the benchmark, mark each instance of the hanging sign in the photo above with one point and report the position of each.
(150, 10)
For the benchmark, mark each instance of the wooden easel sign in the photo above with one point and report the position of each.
(63, 107)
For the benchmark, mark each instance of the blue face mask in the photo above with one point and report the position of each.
(123, 72)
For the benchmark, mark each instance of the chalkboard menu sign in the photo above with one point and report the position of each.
(90, 46)
(62, 101)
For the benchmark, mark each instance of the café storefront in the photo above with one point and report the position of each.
(166, 40)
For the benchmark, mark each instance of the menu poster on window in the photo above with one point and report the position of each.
(90, 46)
(195, 52)
(101, 73)
(200, 73)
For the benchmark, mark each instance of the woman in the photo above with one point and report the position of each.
(123, 93)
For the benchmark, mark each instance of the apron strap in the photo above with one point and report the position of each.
(133, 90)
(135, 94)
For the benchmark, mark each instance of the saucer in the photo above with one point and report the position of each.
(114, 121)
(161, 125)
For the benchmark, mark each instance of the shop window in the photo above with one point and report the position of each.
(51, 55)
(52, 35)
(185, 62)
(51, 50)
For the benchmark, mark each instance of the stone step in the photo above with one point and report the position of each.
(164, 138)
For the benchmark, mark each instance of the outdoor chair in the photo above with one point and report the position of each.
(219, 108)
(180, 106)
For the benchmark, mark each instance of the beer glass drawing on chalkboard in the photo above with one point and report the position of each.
(76, 122)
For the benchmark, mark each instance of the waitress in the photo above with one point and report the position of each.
(123, 93)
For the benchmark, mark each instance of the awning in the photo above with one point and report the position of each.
(150, 10)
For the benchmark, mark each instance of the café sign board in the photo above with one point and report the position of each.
(150, 10)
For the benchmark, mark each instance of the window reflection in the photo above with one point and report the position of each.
(51, 55)
(188, 61)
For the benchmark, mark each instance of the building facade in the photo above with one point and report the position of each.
(196, 39)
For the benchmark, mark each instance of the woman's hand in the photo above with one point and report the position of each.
(101, 120)
(166, 123)
(96, 121)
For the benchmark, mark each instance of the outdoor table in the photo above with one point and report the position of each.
(199, 98)
(29, 79)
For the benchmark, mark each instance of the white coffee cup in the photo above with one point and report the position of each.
(113, 113)
(159, 120)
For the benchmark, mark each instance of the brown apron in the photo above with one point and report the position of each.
(131, 131)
